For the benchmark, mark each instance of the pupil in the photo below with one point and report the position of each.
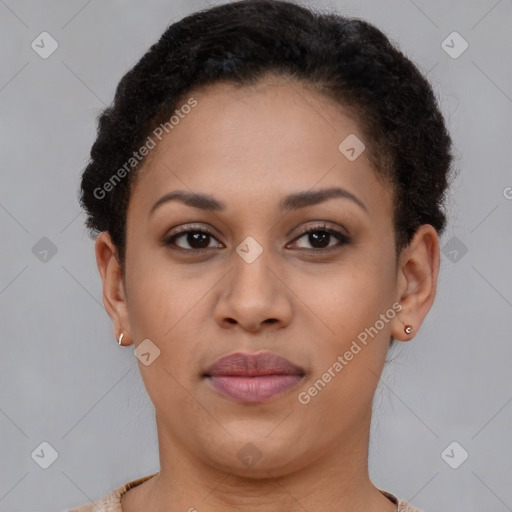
(320, 238)
(194, 239)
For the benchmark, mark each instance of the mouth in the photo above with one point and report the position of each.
(253, 378)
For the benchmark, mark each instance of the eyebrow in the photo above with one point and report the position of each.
(293, 201)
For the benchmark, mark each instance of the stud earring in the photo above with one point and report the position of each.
(408, 329)
(120, 338)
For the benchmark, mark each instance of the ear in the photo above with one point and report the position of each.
(114, 297)
(418, 269)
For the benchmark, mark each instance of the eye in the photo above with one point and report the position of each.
(319, 237)
(198, 239)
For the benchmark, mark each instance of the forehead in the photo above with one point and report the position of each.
(257, 143)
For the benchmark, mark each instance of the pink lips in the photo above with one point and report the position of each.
(253, 378)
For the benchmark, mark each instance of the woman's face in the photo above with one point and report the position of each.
(262, 156)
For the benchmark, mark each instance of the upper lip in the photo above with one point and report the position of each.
(245, 364)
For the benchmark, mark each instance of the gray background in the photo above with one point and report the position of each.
(64, 380)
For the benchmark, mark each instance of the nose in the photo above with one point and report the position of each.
(253, 296)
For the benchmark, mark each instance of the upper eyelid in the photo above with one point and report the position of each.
(321, 224)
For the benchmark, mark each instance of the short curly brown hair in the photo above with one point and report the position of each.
(347, 59)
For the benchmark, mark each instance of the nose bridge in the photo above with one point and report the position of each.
(254, 294)
(251, 272)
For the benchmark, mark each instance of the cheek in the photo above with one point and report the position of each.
(160, 309)
(155, 308)
(349, 350)
(347, 298)
(348, 304)
(159, 297)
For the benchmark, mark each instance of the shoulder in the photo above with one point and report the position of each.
(405, 507)
(112, 501)
(401, 506)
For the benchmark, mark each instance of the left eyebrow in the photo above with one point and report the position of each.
(290, 202)
(310, 198)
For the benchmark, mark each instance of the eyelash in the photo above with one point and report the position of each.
(341, 237)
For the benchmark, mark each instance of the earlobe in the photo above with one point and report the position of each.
(110, 271)
(416, 281)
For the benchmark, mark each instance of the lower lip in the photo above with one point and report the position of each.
(253, 389)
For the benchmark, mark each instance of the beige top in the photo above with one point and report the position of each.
(112, 501)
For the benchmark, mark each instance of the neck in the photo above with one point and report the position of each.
(336, 480)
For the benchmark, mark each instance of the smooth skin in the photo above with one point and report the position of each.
(248, 148)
